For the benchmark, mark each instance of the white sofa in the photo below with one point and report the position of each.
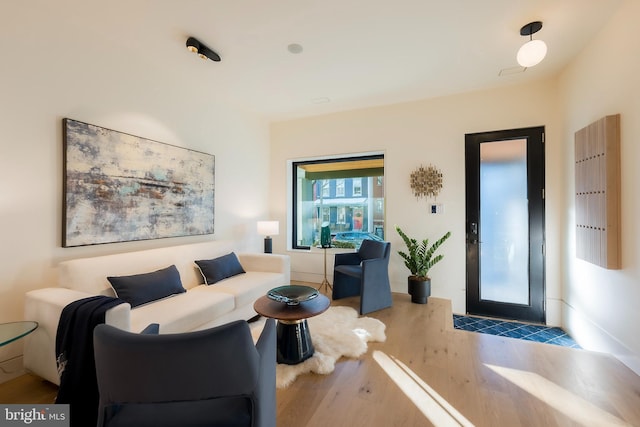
(200, 307)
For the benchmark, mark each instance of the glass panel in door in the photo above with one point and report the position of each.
(504, 222)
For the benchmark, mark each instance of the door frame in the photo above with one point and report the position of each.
(535, 311)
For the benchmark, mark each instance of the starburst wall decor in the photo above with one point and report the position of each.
(426, 181)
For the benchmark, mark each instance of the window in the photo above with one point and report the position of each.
(325, 188)
(357, 187)
(339, 187)
(345, 193)
(326, 214)
(341, 215)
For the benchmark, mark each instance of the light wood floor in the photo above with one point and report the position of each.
(28, 389)
(486, 380)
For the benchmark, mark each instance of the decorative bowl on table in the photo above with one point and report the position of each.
(292, 294)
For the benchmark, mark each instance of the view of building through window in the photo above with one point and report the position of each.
(346, 194)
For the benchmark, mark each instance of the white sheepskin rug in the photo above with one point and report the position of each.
(335, 333)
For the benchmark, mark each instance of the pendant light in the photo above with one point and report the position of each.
(533, 51)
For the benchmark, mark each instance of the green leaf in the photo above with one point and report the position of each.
(420, 257)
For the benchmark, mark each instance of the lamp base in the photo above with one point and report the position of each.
(325, 283)
(326, 286)
(268, 245)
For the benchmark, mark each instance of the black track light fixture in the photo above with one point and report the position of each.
(203, 51)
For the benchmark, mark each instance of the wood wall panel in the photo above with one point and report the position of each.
(597, 186)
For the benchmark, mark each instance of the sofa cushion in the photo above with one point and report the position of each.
(183, 312)
(139, 289)
(245, 288)
(217, 269)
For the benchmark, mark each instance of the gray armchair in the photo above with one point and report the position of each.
(213, 377)
(364, 273)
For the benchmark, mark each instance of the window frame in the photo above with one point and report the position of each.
(292, 202)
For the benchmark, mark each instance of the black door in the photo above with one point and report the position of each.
(505, 224)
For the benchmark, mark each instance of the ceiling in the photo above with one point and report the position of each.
(356, 53)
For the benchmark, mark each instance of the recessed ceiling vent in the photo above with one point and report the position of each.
(511, 70)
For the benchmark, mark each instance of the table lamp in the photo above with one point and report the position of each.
(325, 235)
(268, 229)
(325, 242)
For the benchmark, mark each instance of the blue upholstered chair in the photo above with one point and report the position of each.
(211, 377)
(364, 273)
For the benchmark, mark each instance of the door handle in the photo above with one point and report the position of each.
(472, 235)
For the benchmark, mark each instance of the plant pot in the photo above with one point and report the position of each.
(419, 290)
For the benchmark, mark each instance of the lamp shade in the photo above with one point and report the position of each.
(268, 228)
(531, 53)
(325, 235)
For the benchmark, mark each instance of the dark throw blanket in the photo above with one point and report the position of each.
(75, 359)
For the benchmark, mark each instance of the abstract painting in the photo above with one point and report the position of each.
(119, 187)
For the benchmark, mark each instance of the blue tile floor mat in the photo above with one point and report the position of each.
(511, 329)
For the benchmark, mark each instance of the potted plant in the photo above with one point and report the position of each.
(419, 259)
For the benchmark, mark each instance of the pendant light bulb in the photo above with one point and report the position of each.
(531, 53)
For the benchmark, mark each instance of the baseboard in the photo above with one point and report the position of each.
(308, 277)
(554, 312)
(10, 369)
(592, 337)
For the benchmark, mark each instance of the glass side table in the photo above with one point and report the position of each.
(12, 331)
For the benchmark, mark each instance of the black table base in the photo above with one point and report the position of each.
(294, 342)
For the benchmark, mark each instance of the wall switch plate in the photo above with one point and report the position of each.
(436, 208)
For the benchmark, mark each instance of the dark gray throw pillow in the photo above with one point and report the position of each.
(217, 269)
(139, 289)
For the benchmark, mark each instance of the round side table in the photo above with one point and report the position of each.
(12, 331)
(294, 342)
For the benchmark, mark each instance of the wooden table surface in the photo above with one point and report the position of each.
(281, 311)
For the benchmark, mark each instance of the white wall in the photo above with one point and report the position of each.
(601, 309)
(52, 67)
(422, 133)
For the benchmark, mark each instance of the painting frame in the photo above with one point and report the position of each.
(119, 187)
